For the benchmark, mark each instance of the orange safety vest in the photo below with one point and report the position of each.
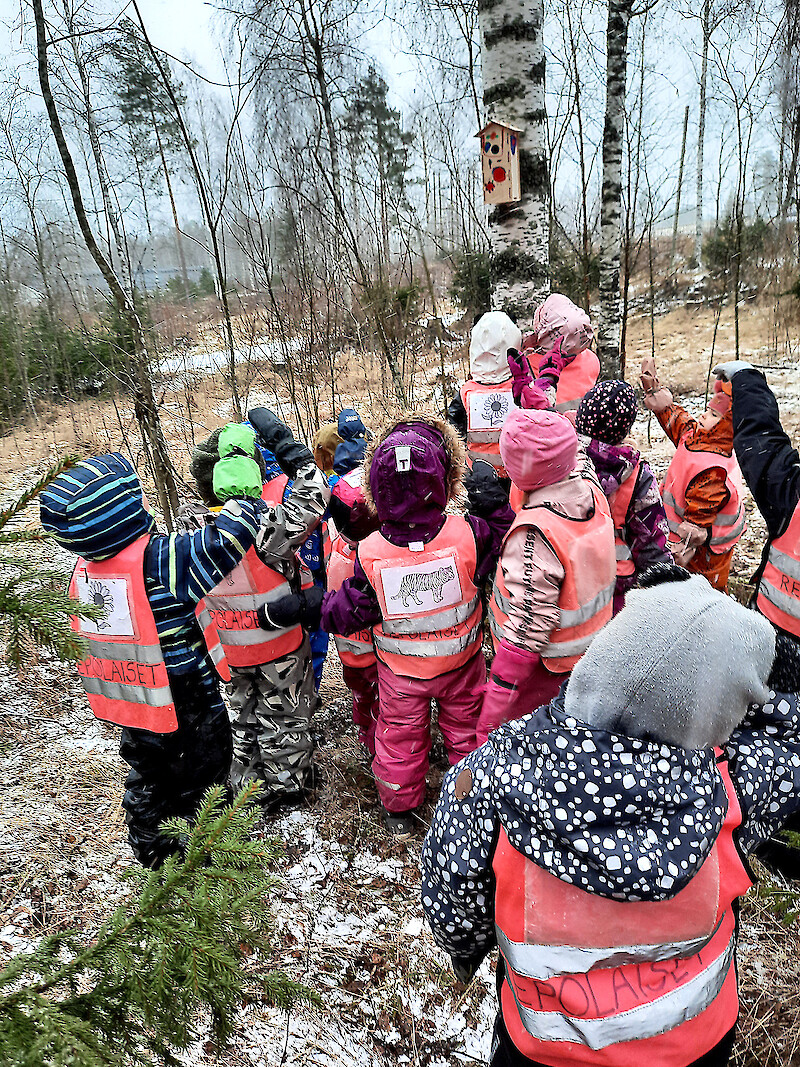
(576, 379)
(779, 589)
(728, 526)
(356, 650)
(227, 616)
(430, 604)
(585, 549)
(273, 490)
(619, 502)
(595, 982)
(486, 407)
(124, 675)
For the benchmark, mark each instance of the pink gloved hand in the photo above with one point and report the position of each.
(512, 668)
(552, 364)
(526, 393)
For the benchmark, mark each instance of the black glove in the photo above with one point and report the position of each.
(292, 455)
(464, 970)
(484, 490)
(271, 431)
(303, 608)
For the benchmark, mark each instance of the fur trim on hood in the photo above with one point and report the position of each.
(453, 446)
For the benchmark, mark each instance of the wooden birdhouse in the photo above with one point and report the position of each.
(500, 162)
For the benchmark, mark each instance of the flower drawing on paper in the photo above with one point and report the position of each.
(100, 596)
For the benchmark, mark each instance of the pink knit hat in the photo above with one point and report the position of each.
(538, 448)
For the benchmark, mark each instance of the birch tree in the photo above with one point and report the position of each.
(608, 337)
(513, 71)
(711, 17)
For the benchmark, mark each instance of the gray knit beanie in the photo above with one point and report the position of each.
(681, 663)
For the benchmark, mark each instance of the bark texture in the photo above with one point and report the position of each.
(513, 67)
(608, 337)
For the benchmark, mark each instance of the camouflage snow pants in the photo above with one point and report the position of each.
(272, 706)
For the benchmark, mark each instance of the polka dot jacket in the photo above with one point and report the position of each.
(626, 818)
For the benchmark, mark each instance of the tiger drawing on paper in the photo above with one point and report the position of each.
(431, 582)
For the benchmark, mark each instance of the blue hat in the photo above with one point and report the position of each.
(350, 425)
(96, 509)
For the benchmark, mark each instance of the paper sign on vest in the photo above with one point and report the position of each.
(111, 594)
(488, 411)
(418, 589)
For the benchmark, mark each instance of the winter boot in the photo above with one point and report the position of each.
(400, 824)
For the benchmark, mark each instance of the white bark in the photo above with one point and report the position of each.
(513, 70)
(608, 338)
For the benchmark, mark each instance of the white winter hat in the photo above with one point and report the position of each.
(681, 663)
(492, 336)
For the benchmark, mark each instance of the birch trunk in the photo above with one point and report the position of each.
(513, 66)
(676, 221)
(705, 25)
(608, 337)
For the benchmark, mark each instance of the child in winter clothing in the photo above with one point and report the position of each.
(555, 579)
(148, 669)
(354, 522)
(559, 319)
(479, 408)
(702, 491)
(603, 421)
(771, 467)
(271, 688)
(416, 582)
(597, 841)
(324, 444)
(354, 434)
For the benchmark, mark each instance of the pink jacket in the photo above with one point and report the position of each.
(533, 572)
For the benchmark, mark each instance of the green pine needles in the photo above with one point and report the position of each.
(164, 966)
(34, 606)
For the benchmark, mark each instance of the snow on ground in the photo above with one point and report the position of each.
(348, 921)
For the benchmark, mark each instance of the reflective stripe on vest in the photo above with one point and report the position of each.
(585, 550)
(577, 973)
(430, 605)
(124, 674)
(355, 650)
(228, 618)
(728, 526)
(486, 408)
(779, 589)
(619, 502)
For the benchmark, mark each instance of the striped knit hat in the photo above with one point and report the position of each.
(96, 508)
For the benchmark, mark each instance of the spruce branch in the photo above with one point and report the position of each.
(34, 609)
(133, 994)
(19, 505)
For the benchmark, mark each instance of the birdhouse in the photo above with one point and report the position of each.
(500, 163)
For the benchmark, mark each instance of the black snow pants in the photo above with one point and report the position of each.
(170, 772)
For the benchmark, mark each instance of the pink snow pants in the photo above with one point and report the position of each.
(363, 684)
(403, 734)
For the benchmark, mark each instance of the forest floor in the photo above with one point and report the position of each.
(349, 923)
